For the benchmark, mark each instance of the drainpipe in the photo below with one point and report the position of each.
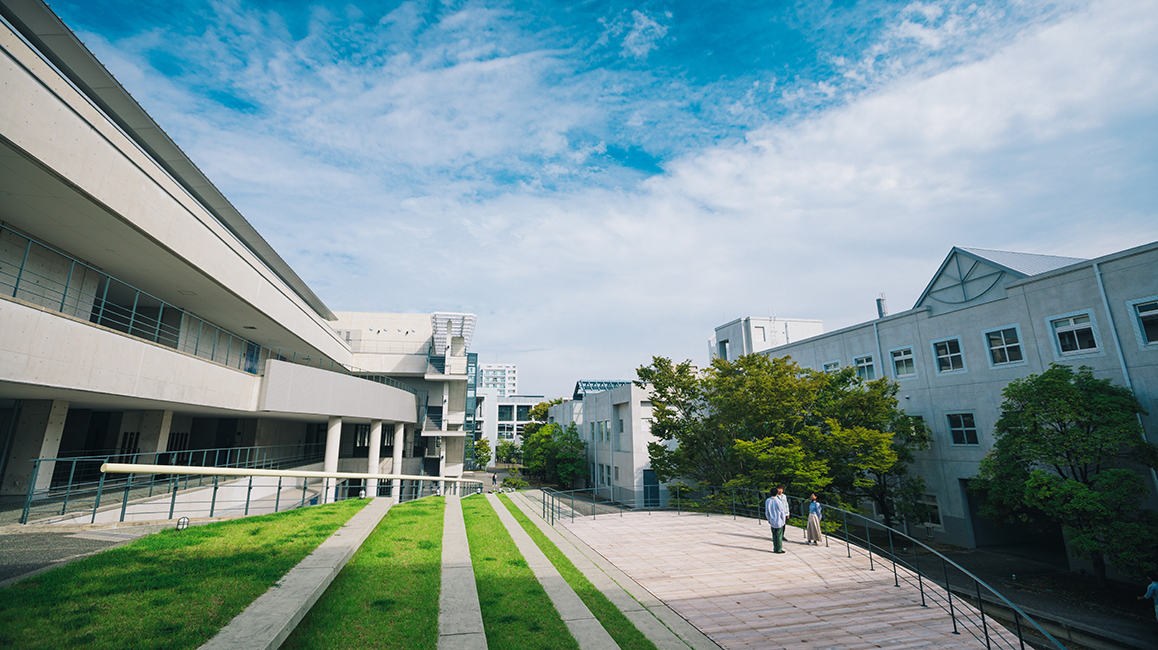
(877, 334)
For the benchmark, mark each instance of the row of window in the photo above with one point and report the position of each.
(603, 473)
(1075, 335)
(514, 412)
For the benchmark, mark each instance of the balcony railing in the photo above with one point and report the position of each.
(38, 274)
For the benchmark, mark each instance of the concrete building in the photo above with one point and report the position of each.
(140, 312)
(500, 379)
(988, 317)
(756, 334)
(614, 419)
(504, 417)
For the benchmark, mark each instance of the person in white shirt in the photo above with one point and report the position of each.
(776, 508)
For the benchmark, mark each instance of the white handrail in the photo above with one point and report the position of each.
(129, 468)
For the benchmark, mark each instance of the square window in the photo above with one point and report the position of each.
(523, 413)
(903, 362)
(932, 509)
(1148, 321)
(1075, 335)
(1004, 346)
(506, 413)
(948, 355)
(832, 366)
(864, 368)
(962, 429)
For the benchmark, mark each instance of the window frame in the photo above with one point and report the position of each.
(989, 350)
(974, 428)
(912, 357)
(870, 367)
(1136, 323)
(937, 358)
(1055, 343)
(935, 504)
(830, 366)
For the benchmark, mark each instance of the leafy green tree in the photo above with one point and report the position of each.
(507, 451)
(1068, 449)
(482, 452)
(538, 416)
(570, 456)
(539, 451)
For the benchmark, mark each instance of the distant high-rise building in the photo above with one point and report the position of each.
(499, 378)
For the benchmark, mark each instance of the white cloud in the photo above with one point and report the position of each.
(645, 33)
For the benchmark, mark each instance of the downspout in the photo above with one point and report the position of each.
(877, 335)
(1121, 356)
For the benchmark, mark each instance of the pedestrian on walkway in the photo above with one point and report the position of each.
(1152, 591)
(812, 533)
(776, 508)
(494, 479)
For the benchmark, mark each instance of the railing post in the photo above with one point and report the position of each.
(981, 611)
(847, 545)
(97, 503)
(125, 499)
(733, 504)
(917, 567)
(572, 506)
(173, 484)
(67, 283)
(68, 490)
(868, 535)
(306, 484)
(949, 594)
(20, 273)
(1017, 622)
(893, 554)
(277, 497)
(32, 487)
(213, 503)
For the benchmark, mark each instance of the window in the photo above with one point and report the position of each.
(1004, 346)
(506, 432)
(864, 368)
(759, 336)
(1075, 334)
(903, 362)
(617, 472)
(948, 354)
(932, 509)
(832, 366)
(722, 350)
(592, 431)
(524, 413)
(506, 413)
(962, 429)
(1147, 314)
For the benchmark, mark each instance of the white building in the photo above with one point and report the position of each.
(499, 378)
(986, 318)
(504, 417)
(140, 312)
(757, 334)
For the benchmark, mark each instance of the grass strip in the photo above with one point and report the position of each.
(387, 595)
(614, 621)
(172, 590)
(517, 613)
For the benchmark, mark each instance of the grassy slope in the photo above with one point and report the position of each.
(387, 596)
(613, 620)
(516, 611)
(171, 590)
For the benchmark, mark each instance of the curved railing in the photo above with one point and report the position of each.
(742, 502)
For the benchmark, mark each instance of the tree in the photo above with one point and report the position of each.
(538, 416)
(1068, 447)
(507, 451)
(758, 422)
(482, 452)
(556, 454)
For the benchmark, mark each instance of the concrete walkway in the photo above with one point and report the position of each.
(266, 623)
(586, 629)
(460, 624)
(721, 575)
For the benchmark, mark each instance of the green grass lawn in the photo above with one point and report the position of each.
(171, 590)
(516, 611)
(387, 596)
(613, 620)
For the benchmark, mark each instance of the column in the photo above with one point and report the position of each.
(333, 439)
(399, 440)
(155, 427)
(375, 450)
(37, 435)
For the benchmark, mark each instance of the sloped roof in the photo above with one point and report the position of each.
(582, 387)
(1026, 264)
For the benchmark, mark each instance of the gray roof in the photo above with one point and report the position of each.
(582, 387)
(1026, 264)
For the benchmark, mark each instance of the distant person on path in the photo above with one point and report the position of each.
(776, 507)
(494, 479)
(1152, 591)
(812, 534)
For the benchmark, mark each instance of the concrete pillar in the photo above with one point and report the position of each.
(333, 439)
(155, 426)
(375, 450)
(37, 435)
(399, 440)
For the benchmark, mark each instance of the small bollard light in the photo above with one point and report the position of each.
(362, 494)
(182, 523)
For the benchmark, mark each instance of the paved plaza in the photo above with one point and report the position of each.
(721, 575)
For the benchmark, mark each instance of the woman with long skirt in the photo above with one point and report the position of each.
(812, 533)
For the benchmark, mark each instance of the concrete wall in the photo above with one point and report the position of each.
(290, 388)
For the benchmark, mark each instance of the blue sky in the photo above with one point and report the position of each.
(602, 182)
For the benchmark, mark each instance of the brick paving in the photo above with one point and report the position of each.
(721, 575)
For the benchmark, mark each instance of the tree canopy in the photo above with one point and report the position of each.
(758, 422)
(1069, 447)
(556, 454)
(482, 452)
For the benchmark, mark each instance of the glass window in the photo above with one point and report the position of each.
(864, 368)
(1148, 320)
(1075, 334)
(948, 355)
(506, 412)
(832, 366)
(524, 413)
(506, 431)
(903, 362)
(933, 511)
(961, 429)
(1004, 346)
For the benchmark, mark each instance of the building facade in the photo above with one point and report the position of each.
(500, 379)
(141, 313)
(757, 334)
(504, 417)
(986, 318)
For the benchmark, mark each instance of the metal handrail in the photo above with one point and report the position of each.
(553, 504)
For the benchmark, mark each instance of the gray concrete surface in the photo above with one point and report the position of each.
(460, 624)
(586, 629)
(266, 623)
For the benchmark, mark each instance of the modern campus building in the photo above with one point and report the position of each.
(499, 379)
(988, 317)
(756, 334)
(504, 417)
(140, 312)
